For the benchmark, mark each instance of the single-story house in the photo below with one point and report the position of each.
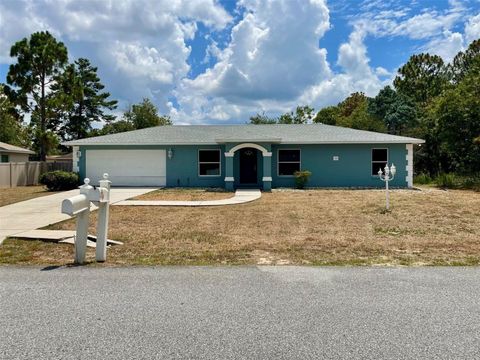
(12, 153)
(234, 156)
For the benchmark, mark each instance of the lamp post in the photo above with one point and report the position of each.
(387, 175)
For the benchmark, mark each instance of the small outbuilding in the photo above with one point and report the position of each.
(12, 153)
(236, 156)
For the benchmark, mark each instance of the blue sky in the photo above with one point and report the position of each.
(208, 61)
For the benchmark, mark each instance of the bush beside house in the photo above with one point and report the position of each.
(59, 180)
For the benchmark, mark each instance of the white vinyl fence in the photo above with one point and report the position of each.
(21, 173)
(27, 173)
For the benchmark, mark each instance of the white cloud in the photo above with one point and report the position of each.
(357, 74)
(139, 46)
(450, 43)
(472, 29)
(272, 58)
(446, 46)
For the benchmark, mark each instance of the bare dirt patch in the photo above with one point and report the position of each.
(315, 227)
(21, 193)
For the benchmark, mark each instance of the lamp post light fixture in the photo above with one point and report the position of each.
(387, 175)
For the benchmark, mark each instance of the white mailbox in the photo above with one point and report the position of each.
(79, 206)
(99, 194)
(75, 205)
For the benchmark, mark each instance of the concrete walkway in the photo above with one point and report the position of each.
(43, 211)
(241, 196)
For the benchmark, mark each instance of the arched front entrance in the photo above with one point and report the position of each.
(248, 168)
(248, 165)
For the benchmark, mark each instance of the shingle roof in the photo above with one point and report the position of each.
(4, 147)
(215, 134)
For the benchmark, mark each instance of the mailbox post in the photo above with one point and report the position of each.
(102, 223)
(79, 206)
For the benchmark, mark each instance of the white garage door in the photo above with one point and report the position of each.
(127, 167)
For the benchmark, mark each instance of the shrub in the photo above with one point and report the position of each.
(471, 182)
(59, 180)
(301, 178)
(423, 179)
(446, 181)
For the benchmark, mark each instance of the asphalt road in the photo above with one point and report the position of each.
(240, 313)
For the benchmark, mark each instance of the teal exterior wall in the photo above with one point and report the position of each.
(353, 169)
(182, 169)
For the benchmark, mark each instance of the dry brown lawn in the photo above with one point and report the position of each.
(21, 193)
(317, 227)
(182, 194)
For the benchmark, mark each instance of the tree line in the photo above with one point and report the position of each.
(62, 100)
(429, 99)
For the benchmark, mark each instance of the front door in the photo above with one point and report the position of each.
(248, 166)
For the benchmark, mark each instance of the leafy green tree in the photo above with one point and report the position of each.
(397, 111)
(113, 128)
(422, 78)
(39, 61)
(11, 129)
(259, 119)
(145, 114)
(84, 101)
(353, 113)
(457, 117)
(327, 115)
(302, 115)
(138, 116)
(463, 61)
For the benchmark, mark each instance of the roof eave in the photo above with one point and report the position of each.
(247, 140)
(26, 152)
(403, 141)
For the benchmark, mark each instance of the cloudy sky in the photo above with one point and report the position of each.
(208, 61)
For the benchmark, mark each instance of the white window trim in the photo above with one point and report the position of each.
(210, 162)
(288, 162)
(376, 162)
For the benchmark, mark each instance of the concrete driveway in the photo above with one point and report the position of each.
(240, 313)
(39, 212)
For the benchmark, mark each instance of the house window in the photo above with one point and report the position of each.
(209, 162)
(288, 162)
(4, 159)
(379, 160)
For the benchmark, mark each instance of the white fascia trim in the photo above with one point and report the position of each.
(267, 178)
(409, 169)
(409, 141)
(229, 178)
(267, 140)
(138, 144)
(75, 158)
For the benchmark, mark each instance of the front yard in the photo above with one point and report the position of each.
(21, 193)
(315, 227)
(184, 194)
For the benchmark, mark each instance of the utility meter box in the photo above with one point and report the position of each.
(76, 204)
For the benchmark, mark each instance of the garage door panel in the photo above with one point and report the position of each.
(127, 167)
